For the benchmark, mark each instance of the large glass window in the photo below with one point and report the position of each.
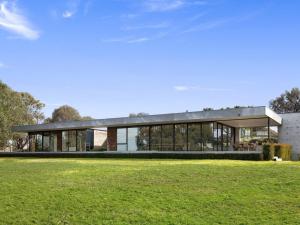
(46, 142)
(39, 143)
(122, 139)
(132, 138)
(143, 139)
(207, 136)
(155, 138)
(32, 142)
(65, 141)
(195, 142)
(180, 137)
(167, 137)
(72, 141)
(81, 140)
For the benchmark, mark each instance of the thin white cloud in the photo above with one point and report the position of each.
(163, 5)
(2, 65)
(12, 19)
(208, 25)
(169, 5)
(135, 39)
(72, 8)
(182, 88)
(148, 26)
(68, 14)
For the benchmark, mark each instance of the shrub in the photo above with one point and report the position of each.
(283, 151)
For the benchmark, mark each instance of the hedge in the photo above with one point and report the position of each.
(283, 151)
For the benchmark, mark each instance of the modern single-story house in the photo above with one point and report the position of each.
(203, 131)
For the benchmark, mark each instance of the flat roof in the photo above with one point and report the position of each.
(237, 117)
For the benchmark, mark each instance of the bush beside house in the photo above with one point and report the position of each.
(283, 151)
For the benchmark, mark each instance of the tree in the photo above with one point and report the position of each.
(287, 102)
(65, 113)
(141, 114)
(16, 108)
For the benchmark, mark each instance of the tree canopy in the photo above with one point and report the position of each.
(16, 108)
(287, 102)
(66, 113)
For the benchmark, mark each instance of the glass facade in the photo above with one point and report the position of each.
(66, 141)
(176, 137)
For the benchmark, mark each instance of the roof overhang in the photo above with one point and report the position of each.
(240, 117)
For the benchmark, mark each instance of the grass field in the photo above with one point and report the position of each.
(116, 191)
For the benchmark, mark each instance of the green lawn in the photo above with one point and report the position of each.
(122, 191)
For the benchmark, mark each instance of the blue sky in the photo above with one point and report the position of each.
(110, 58)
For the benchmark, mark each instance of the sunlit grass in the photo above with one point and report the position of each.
(128, 191)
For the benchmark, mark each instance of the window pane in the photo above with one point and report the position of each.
(65, 141)
(167, 138)
(121, 136)
(32, 142)
(121, 147)
(180, 137)
(195, 143)
(46, 142)
(39, 142)
(143, 139)
(132, 138)
(220, 137)
(155, 141)
(81, 140)
(72, 141)
(207, 136)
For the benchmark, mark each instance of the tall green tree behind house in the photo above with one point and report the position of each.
(17, 108)
(287, 102)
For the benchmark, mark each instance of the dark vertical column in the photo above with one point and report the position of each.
(149, 141)
(42, 141)
(111, 139)
(161, 142)
(59, 141)
(174, 133)
(187, 137)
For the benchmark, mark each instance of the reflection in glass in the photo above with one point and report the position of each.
(207, 136)
(167, 138)
(195, 142)
(132, 138)
(180, 137)
(65, 141)
(143, 139)
(122, 139)
(81, 140)
(155, 140)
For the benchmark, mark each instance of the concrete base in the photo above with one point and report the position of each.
(238, 155)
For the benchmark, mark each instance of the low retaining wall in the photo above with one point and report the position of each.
(143, 155)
